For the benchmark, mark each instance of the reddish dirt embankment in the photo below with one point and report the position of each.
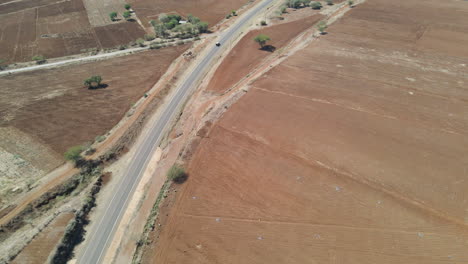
(246, 55)
(353, 150)
(41, 247)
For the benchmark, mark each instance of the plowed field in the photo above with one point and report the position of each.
(353, 150)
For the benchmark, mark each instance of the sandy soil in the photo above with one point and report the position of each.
(40, 248)
(351, 151)
(246, 55)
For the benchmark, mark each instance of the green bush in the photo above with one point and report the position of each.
(149, 37)
(140, 42)
(177, 174)
(74, 153)
(127, 14)
(127, 6)
(322, 26)
(350, 3)
(39, 59)
(316, 5)
(155, 46)
(113, 16)
(262, 39)
(329, 2)
(263, 23)
(93, 82)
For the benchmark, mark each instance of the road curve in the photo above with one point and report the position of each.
(99, 238)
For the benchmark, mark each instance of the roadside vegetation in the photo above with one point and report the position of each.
(322, 26)
(174, 26)
(39, 59)
(177, 174)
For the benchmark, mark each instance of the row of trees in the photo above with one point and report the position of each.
(127, 14)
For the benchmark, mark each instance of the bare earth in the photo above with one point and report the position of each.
(51, 118)
(353, 150)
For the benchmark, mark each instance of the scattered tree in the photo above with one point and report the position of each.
(263, 23)
(202, 27)
(39, 59)
(350, 3)
(177, 174)
(127, 6)
(127, 14)
(93, 82)
(74, 153)
(329, 2)
(113, 16)
(193, 19)
(160, 30)
(322, 26)
(140, 42)
(262, 39)
(316, 5)
(234, 13)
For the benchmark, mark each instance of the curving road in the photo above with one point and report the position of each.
(100, 237)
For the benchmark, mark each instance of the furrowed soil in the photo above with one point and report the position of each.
(353, 150)
(247, 54)
(45, 112)
(207, 10)
(41, 246)
(55, 29)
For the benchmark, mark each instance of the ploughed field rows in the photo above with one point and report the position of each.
(247, 55)
(55, 29)
(45, 112)
(353, 150)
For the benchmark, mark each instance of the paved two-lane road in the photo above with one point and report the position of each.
(100, 237)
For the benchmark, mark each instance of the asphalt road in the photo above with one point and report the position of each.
(100, 237)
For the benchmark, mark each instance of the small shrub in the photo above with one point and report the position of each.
(113, 16)
(316, 5)
(329, 2)
(155, 46)
(149, 37)
(350, 3)
(228, 16)
(283, 9)
(322, 26)
(263, 23)
(177, 174)
(93, 82)
(122, 47)
(127, 14)
(100, 139)
(140, 42)
(39, 59)
(127, 6)
(74, 153)
(197, 38)
(180, 42)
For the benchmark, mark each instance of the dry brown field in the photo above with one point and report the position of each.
(207, 10)
(353, 150)
(246, 55)
(56, 29)
(43, 113)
